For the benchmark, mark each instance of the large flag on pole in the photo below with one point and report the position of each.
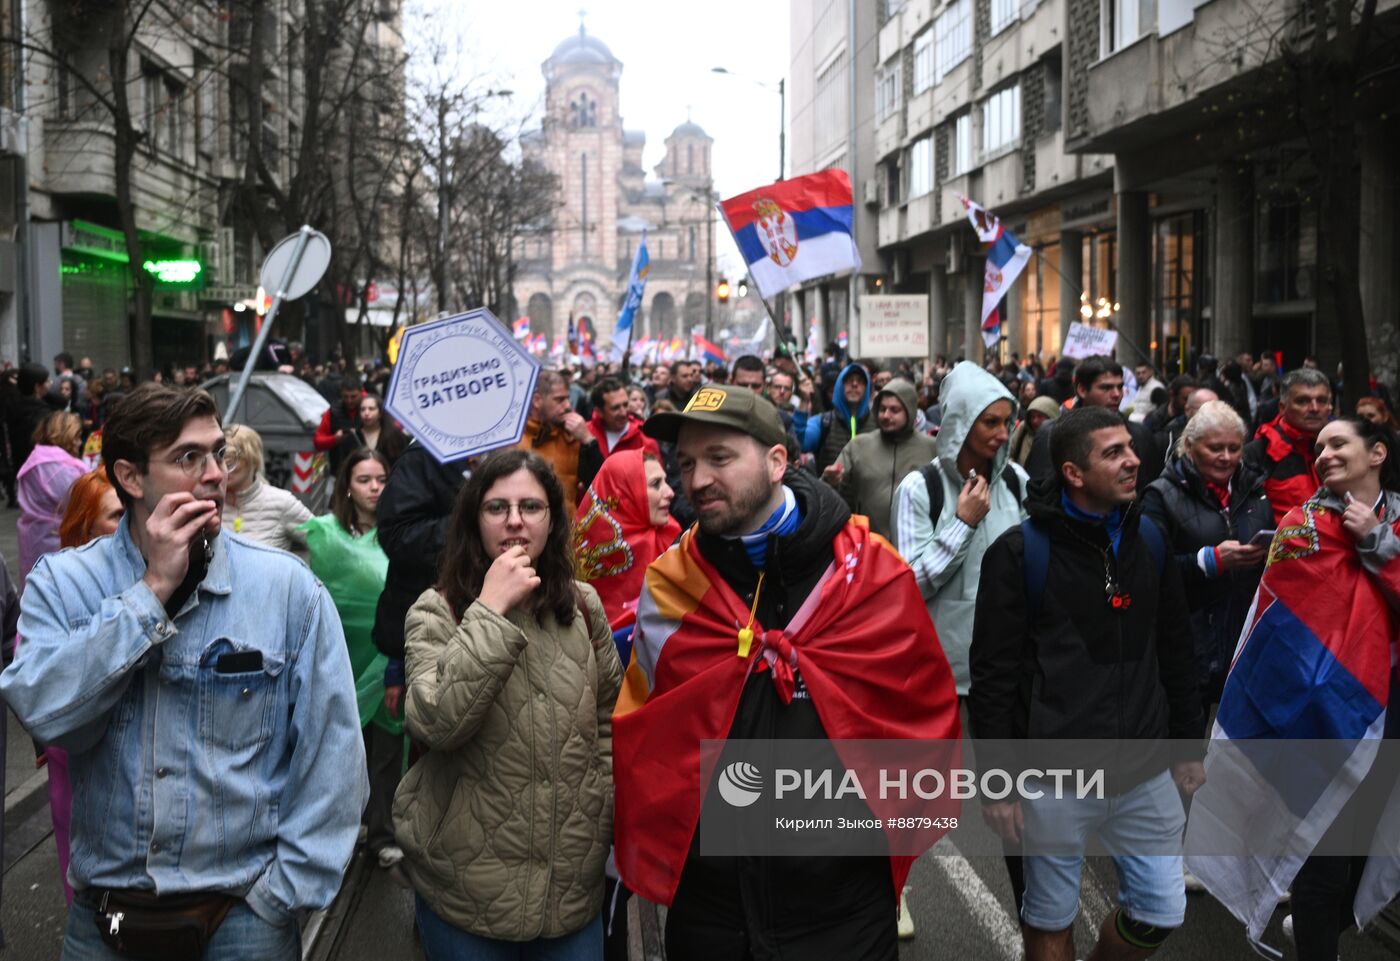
(794, 230)
(636, 284)
(1006, 258)
(708, 351)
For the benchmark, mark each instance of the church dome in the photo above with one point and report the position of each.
(583, 49)
(689, 129)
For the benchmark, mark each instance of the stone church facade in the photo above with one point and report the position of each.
(578, 269)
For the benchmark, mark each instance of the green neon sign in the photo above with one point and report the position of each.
(174, 272)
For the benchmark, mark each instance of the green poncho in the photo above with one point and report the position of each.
(353, 570)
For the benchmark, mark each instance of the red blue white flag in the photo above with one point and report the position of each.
(1006, 258)
(521, 328)
(708, 351)
(794, 230)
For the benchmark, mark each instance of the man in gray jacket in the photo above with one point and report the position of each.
(871, 465)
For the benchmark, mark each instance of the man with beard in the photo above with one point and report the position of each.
(201, 686)
(772, 547)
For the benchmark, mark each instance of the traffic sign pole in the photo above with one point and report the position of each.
(260, 341)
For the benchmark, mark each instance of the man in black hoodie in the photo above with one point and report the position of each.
(1102, 651)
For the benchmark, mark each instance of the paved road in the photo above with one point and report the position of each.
(962, 907)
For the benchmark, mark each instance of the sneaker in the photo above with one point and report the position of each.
(1193, 883)
(904, 925)
(389, 855)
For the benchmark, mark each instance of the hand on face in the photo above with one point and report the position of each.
(510, 579)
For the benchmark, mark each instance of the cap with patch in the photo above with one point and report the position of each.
(722, 405)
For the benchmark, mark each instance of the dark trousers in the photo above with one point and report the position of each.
(384, 753)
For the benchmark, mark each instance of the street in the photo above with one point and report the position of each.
(962, 907)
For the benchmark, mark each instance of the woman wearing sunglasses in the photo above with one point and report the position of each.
(505, 823)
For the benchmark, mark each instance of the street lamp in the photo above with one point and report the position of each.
(782, 112)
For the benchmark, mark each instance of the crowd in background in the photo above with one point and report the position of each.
(943, 459)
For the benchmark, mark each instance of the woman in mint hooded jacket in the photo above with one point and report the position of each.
(982, 491)
(343, 550)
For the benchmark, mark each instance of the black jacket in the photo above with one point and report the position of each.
(820, 906)
(1080, 668)
(413, 518)
(1040, 468)
(1191, 518)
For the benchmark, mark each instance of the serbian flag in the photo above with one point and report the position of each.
(794, 230)
(868, 657)
(1300, 721)
(708, 351)
(1006, 258)
(521, 328)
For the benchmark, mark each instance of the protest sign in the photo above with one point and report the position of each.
(462, 385)
(1083, 341)
(894, 326)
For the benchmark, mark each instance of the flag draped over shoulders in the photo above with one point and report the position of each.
(1314, 663)
(862, 643)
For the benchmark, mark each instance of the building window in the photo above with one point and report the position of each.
(583, 111)
(1121, 24)
(692, 245)
(960, 145)
(152, 96)
(892, 8)
(1003, 13)
(953, 35)
(831, 105)
(920, 167)
(889, 172)
(1001, 120)
(923, 61)
(887, 91)
(206, 108)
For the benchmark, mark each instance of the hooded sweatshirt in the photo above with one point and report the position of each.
(873, 464)
(1024, 437)
(945, 553)
(826, 434)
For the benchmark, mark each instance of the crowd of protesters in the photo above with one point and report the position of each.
(1067, 550)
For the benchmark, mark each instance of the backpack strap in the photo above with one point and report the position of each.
(1035, 564)
(933, 483)
(1151, 535)
(1013, 480)
(582, 605)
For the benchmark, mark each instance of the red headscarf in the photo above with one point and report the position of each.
(614, 539)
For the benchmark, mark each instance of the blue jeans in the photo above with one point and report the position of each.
(1148, 818)
(242, 937)
(447, 942)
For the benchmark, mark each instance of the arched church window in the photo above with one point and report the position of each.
(583, 111)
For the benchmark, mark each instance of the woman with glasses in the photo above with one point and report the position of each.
(505, 823)
(254, 508)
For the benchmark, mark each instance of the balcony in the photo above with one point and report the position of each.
(1001, 179)
(889, 135)
(919, 216)
(890, 228)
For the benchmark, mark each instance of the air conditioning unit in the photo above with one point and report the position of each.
(871, 192)
(954, 262)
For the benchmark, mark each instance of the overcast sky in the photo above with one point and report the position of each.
(667, 49)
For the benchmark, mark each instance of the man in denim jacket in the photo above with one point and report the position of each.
(201, 685)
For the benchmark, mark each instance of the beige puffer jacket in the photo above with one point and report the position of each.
(506, 822)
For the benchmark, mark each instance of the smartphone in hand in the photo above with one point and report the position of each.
(1263, 538)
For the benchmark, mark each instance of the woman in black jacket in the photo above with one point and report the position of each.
(1213, 512)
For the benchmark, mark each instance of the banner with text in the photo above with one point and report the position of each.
(894, 326)
(1083, 341)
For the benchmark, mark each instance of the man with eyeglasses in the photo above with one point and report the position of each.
(202, 687)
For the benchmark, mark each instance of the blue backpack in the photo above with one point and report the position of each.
(1036, 557)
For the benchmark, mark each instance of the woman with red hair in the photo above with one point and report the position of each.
(93, 511)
